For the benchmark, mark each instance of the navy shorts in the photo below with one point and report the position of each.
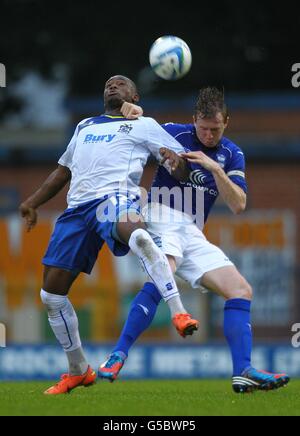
(80, 233)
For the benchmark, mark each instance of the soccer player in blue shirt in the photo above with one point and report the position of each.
(217, 168)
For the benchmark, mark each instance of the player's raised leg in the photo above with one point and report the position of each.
(64, 323)
(160, 269)
(230, 284)
(140, 317)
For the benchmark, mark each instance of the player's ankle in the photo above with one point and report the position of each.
(120, 354)
(175, 305)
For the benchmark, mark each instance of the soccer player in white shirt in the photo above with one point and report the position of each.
(103, 162)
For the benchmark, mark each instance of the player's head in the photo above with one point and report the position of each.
(211, 116)
(117, 90)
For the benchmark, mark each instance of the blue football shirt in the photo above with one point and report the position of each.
(229, 156)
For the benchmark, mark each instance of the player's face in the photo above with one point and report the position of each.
(117, 90)
(210, 130)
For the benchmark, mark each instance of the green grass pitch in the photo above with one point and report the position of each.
(148, 398)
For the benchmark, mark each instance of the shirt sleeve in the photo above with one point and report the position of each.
(66, 159)
(172, 128)
(157, 137)
(236, 169)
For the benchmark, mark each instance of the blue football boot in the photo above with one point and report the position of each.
(110, 368)
(253, 379)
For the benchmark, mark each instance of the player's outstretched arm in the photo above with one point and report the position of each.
(231, 193)
(52, 185)
(180, 170)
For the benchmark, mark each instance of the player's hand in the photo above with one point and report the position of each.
(131, 111)
(30, 215)
(200, 158)
(169, 156)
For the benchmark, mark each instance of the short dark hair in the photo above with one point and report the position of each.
(210, 102)
(131, 82)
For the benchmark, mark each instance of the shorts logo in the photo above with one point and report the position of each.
(157, 241)
(125, 128)
(169, 286)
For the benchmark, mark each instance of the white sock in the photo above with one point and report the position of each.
(176, 306)
(64, 323)
(157, 267)
(77, 362)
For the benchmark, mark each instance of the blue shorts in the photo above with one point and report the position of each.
(80, 233)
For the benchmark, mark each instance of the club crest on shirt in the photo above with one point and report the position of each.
(221, 160)
(125, 128)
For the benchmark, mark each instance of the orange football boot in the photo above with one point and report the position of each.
(184, 324)
(69, 382)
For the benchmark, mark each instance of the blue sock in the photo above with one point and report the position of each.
(141, 314)
(237, 330)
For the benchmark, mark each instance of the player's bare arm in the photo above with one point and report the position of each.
(179, 168)
(52, 185)
(231, 193)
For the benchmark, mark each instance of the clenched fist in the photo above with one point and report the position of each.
(30, 215)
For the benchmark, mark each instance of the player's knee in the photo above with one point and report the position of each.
(245, 290)
(45, 297)
(240, 289)
(141, 239)
(58, 281)
(52, 301)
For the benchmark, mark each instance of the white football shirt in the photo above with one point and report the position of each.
(107, 154)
